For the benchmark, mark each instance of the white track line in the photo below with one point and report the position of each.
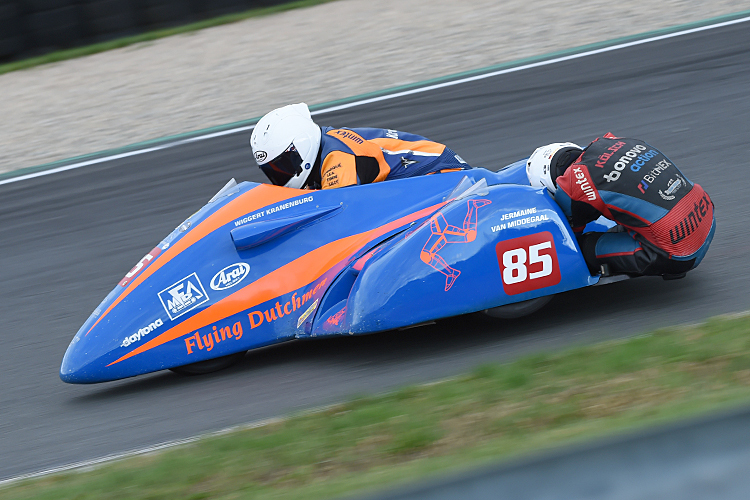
(89, 464)
(381, 98)
(170, 444)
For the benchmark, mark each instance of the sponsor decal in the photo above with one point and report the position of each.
(391, 134)
(690, 223)
(518, 218)
(183, 296)
(406, 162)
(607, 155)
(331, 176)
(230, 276)
(260, 156)
(460, 160)
(673, 186)
(142, 332)
(197, 342)
(346, 134)
(336, 318)
(584, 183)
(307, 313)
(528, 263)
(636, 157)
(660, 167)
(651, 176)
(280, 310)
(272, 210)
(142, 264)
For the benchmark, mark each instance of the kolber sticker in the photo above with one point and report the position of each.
(183, 296)
(230, 276)
(528, 263)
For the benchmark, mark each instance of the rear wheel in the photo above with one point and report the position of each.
(209, 365)
(519, 309)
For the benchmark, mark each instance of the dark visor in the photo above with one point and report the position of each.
(282, 168)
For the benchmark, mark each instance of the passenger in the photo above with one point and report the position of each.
(295, 152)
(665, 223)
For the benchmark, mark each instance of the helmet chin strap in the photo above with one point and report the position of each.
(314, 180)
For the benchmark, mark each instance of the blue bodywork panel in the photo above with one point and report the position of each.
(262, 264)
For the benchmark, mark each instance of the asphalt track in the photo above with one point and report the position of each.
(67, 238)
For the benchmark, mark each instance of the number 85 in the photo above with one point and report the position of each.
(514, 263)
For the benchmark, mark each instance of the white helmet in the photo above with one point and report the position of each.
(285, 144)
(539, 165)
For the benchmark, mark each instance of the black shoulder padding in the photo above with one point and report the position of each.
(367, 169)
(563, 159)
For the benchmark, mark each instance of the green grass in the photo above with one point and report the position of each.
(63, 55)
(498, 411)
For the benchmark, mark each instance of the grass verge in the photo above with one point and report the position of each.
(63, 55)
(495, 412)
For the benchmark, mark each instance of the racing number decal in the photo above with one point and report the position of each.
(528, 263)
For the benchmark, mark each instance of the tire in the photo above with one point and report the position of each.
(209, 365)
(518, 309)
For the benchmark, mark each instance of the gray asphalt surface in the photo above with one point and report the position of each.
(69, 237)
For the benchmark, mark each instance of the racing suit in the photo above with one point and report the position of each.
(364, 155)
(665, 222)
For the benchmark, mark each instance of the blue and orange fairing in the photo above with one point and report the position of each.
(262, 264)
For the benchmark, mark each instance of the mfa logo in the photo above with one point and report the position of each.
(183, 296)
(230, 276)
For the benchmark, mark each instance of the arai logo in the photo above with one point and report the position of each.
(230, 276)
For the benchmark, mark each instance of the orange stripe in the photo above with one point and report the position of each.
(257, 197)
(360, 147)
(286, 279)
(399, 145)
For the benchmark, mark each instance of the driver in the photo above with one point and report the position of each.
(665, 223)
(295, 152)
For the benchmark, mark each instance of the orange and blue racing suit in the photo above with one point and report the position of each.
(350, 156)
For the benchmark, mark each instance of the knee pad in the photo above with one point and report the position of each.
(587, 242)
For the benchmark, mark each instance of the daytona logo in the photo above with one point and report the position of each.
(142, 332)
